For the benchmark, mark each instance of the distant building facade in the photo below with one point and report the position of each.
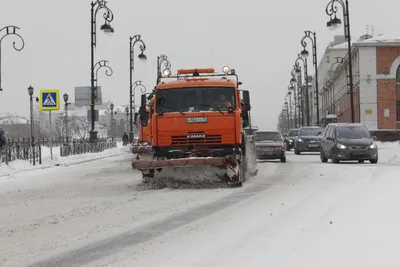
(376, 82)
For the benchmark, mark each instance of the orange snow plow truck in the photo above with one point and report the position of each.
(196, 128)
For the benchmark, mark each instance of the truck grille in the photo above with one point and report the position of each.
(211, 139)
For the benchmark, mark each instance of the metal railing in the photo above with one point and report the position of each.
(84, 146)
(21, 150)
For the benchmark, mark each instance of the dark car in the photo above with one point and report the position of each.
(308, 140)
(270, 145)
(348, 141)
(290, 138)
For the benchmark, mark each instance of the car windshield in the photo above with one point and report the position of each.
(293, 133)
(310, 131)
(352, 132)
(268, 136)
(192, 99)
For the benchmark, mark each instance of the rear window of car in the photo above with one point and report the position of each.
(293, 132)
(310, 131)
(268, 136)
(352, 132)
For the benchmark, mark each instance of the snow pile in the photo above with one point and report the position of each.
(22, 165)
(389, 152)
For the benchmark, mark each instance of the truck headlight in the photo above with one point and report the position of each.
(300, 140)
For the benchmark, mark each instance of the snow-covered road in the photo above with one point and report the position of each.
(301, 213)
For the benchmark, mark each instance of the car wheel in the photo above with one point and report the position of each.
(287, 147)
(323, 157)
(373, 161)
(360, 161)
(297, 152)
(283, 159)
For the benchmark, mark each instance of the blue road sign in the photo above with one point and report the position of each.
(49, 100)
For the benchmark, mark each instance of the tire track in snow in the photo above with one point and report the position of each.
(107, 247)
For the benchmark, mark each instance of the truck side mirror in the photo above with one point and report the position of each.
(143, 101)
(246, 99)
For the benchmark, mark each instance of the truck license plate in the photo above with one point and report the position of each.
(197, 120)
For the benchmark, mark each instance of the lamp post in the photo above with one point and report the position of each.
(143, 89)
(292, 87)
(108, 16)
(133, 40)
(66, 97)
(298, 73)
(334, 23)
(289, 98)
(313, 37)
(6, 31)
(287, 115)
(112, 120)
(30, 92)
(127, 118)
(167, 67)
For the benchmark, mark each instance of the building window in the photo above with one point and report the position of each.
(398, 75)
(398, 110)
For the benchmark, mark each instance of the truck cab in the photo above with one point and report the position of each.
(200, 110)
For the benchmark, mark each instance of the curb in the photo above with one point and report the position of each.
(66, 164)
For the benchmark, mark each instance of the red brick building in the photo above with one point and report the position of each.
(376, 78)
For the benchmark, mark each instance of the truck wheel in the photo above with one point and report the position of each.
(297, 152)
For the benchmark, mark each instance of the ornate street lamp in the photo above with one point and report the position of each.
(334, 23)
(133, 40)
(10, 30)
(97, 6)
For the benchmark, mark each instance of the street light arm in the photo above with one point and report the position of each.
(307, 35)
(12, 30)
(332, 7)
(108, 15)
(100, 65)
(138, 40)
(139, 84)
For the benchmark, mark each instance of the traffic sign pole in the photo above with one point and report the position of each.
(51, 136)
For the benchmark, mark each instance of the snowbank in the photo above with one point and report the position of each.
(22, 165)
(389, 152)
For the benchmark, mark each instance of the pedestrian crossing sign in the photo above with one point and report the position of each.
(49, 100)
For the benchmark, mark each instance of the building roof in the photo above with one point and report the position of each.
(385, 39)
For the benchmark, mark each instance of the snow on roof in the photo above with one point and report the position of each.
(339, 46)
(12, 118)
(383, 38)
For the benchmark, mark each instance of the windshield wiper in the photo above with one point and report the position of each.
(174, 109)
(210, 106)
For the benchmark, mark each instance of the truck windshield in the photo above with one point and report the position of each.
(194, 99)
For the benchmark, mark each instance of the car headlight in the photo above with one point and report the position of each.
(290, 140)
(300, 140)
(372, 146)
(340, 146)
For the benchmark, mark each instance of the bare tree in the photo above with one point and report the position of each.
(79, 127)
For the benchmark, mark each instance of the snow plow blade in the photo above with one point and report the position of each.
(142, 149)
(156, 164)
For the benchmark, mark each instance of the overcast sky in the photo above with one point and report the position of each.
(260, 39)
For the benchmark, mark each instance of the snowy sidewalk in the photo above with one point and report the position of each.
(18, 166)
